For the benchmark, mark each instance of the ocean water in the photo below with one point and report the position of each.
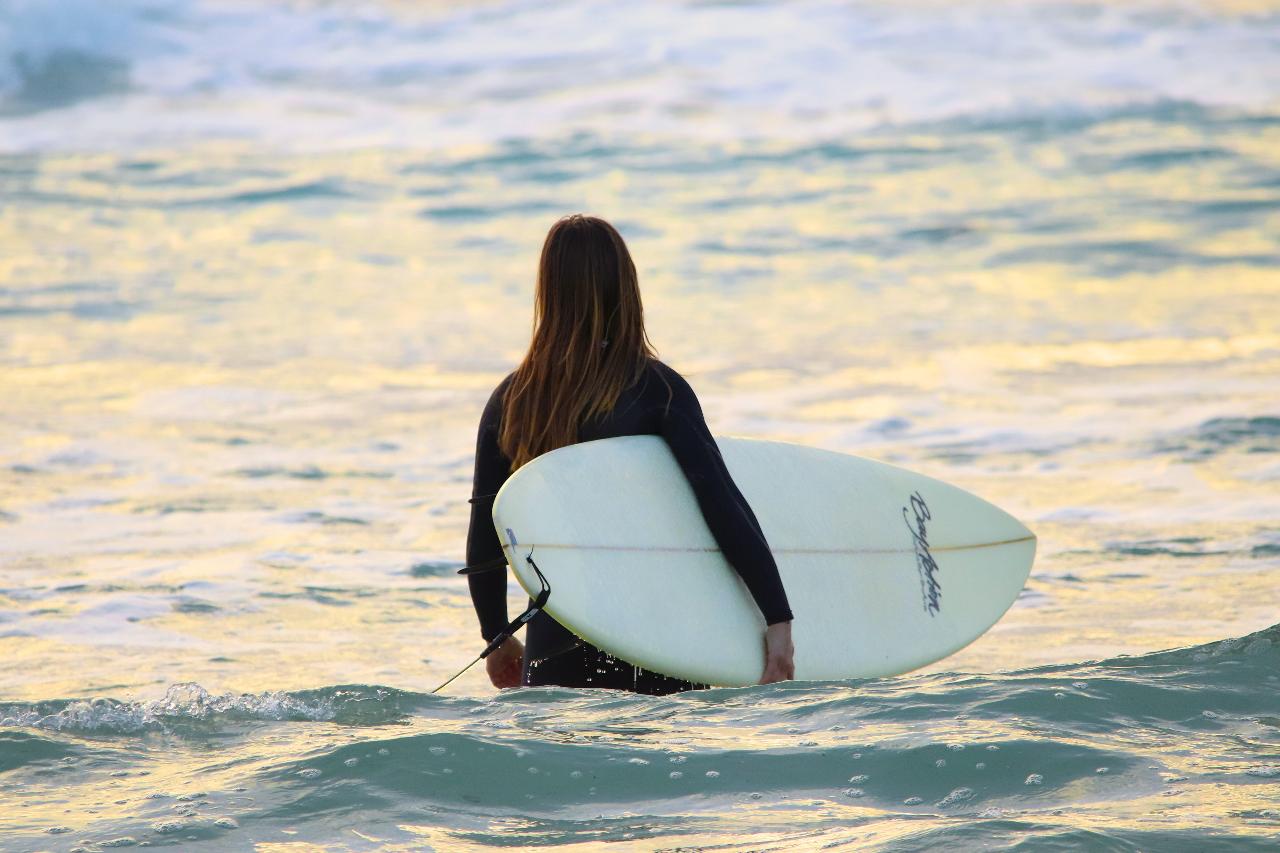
(262, 262)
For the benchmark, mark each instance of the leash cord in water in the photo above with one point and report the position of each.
(516, 624)
(458, 673)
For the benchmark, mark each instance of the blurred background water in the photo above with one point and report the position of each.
(262, 262)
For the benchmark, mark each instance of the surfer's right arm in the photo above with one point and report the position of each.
(779, 654)
(489, 588)
(729, 518)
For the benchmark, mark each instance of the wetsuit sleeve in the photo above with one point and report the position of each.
(726, 511)
(489, 588)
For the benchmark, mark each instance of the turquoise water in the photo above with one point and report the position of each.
(261, 264)
(1166, 751)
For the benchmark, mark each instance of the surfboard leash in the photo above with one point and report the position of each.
(514, 625)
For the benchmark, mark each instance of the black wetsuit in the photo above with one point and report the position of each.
(660, 403)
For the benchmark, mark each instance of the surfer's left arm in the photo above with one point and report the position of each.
(488, 588)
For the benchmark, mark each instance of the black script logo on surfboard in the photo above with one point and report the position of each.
(915, 515)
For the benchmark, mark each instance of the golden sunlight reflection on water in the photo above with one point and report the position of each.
(235, 371)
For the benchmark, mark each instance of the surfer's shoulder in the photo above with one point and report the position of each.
(670, 375)
(501, 389)
(673, 387)
(665, 371)
(493, 408)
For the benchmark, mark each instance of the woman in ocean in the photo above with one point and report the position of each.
(591, 373)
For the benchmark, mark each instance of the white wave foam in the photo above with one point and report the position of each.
(311, 75)
(182, 703)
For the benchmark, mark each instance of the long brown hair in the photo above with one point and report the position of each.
(589, 343)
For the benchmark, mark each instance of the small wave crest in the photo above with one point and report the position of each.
(1230, 674)
(188, 706)
(1259, 434)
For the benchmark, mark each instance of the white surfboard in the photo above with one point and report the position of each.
(885, 570)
